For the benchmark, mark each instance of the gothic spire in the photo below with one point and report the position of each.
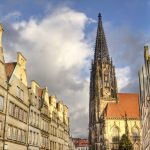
(101, 50)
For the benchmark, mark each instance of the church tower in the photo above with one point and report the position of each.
(103, 88)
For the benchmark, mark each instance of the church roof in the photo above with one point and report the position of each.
(128, 104)
(10, 68)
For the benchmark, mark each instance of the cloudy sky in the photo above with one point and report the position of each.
(58, 37)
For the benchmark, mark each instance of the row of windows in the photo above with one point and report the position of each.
(116, 137)
(16, 134)
(44, 125)
(19, 94)
(33, 138)
(17, 112)
(53, 130)
(53, 145)
(60, 146)
(45, 142)
(82, 148)
(34, 118)
(1, 103)
(57, 132)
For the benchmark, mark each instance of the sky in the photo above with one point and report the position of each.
(58, 37)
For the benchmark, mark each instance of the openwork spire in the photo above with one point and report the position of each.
(101, 49)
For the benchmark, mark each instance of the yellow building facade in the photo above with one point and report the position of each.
(111, 114)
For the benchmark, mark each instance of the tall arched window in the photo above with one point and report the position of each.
(135, 133)
(115, 135)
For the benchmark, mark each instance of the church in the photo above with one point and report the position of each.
(111, 114)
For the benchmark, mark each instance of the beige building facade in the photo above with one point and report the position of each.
(30, 118)
(144, 83)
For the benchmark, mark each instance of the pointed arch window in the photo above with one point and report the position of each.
(135, 133)
(115, 135)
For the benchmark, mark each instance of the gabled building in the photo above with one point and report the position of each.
(34, 135)
(4, 86)
(111, 114)
(59, 125)
(29, 117)
(144, 84)
(45, 118)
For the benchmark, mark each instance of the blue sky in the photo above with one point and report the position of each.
(60, 36)
(134, 14)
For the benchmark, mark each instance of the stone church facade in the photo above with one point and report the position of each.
(111, 114)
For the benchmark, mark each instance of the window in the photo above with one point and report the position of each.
(11, 109)
(19, 135)
(9, 132)
(30, 137)
(25, 117)
(14, 134)
(115, 135)
(1, 125)
(16, 111)
(20, 114)
(23, 137)
(37, 138)
(135, 133)
(19, 93)
(1, 103)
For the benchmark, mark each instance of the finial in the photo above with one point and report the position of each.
(99, 16)
(146, 52)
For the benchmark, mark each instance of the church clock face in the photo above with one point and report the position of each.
(106, 92)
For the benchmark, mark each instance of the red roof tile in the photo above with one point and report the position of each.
(40, 92)
(10, 68)
(80, 142)
(128, 104)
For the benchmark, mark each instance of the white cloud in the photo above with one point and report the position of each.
(57, 52)
(12, 15)
(123, 77)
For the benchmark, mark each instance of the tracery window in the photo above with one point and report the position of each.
(135, 133)
(115, 135)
